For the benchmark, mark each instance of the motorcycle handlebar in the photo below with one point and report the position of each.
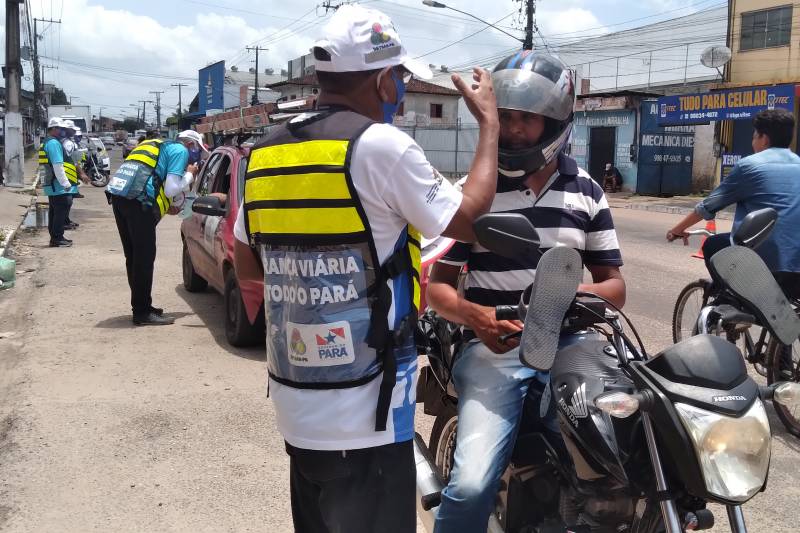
(506, 312)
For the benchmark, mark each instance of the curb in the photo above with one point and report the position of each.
(10, 237)
(673, 210)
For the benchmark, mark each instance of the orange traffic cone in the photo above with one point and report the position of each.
(711, 226)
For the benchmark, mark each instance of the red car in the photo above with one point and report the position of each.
(208, 246)
(208, 240)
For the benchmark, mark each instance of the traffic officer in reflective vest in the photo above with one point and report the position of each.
(334, 204)
(57, 174)
(141, 192)
(71, 145)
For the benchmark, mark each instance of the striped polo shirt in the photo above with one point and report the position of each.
(571, 211)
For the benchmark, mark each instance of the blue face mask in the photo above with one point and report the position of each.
(194, 155)
(389, 110)
(62, 134)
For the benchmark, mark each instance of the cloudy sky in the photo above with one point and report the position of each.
(111, 53)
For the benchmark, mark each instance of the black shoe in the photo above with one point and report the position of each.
(152, 319)
(156, 310)
(65, 239)
(62, 242)
(71, 225)
(79, 195)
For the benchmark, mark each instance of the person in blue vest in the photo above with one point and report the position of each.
(57, 175)
(147, 186)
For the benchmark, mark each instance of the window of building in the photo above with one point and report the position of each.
(767, 28)
(436, 110)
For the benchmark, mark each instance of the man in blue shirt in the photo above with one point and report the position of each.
(147, 186)
(768, 178)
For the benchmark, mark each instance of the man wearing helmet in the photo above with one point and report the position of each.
(535, 97)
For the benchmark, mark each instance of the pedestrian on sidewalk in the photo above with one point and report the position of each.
(141, 192)
(341, 189)
(57, 174)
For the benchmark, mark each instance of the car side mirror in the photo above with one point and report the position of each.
(510, 235)
(208, 205)
(755, 228)
(99, 150)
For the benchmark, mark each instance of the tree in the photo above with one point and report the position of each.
(172, 120)
(58, 97)
(129, 124)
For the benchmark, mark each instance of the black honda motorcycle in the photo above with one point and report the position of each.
(646, 442)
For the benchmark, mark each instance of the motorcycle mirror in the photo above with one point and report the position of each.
(508, 234)
(755, 228)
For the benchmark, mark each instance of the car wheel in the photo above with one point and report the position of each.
(238, 329)
(192, 281)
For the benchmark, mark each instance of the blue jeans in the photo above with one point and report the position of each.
(491, 393)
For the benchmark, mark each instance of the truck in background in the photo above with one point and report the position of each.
(81, 115)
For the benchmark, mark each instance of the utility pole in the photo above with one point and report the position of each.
(180, 105)
(100, 119)
(144, 109)
(38, 91)
(14, 147)
(256, 49)
(530, 10)
(158, 107)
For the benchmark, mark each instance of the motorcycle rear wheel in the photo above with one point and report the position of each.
(442, 443)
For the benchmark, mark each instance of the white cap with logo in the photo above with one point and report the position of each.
(359, 39)
(193, 136)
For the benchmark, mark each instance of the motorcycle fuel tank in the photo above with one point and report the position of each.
(599, 445)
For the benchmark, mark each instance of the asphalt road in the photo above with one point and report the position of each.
(104, 427)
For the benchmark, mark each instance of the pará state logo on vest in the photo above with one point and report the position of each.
(333, 345)
(328, 344)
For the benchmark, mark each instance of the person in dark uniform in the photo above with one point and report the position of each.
(141, 192)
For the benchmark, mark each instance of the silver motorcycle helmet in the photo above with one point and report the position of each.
(535, 82)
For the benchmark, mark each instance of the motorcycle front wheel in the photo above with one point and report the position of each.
(783, 364)
(100, 180)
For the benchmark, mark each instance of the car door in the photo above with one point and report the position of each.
(213, 225)
(195, 237)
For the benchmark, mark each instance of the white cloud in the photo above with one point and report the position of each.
(119, 39)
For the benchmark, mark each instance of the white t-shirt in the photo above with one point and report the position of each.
(397, 186)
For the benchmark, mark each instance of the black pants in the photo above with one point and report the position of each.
(57, 215)
(136, 224)
(71, 197)
(356, 491)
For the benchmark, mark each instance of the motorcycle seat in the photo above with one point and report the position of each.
(731, 315)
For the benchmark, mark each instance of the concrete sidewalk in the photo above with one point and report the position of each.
(676, 205)
(14, 204)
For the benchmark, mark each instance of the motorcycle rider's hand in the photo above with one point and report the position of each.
(193, 168)
(173, 210)
(673, 235)
(489, 329)
(480, 97)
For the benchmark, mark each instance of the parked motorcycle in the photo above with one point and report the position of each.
(646, 442)
(98, 175)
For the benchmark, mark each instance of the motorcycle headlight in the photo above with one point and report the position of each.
(734, 453)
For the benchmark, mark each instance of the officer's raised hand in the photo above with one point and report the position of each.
(479, 97)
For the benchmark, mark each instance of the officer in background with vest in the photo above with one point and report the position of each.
(334, 204)
(72, 151)
(58, 175)
(141, 192)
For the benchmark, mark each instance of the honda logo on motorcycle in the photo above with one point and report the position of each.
(578, 407)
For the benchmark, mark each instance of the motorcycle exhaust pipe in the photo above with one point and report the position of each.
(429, 484)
